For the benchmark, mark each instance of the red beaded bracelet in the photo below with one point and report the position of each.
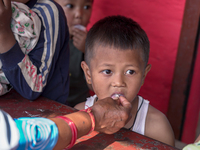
(73, 130)
(89, 111)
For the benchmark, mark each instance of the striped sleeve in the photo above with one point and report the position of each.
(28, 73)
(48, 13)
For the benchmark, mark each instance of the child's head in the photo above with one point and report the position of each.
(77, 12)
(116, 57)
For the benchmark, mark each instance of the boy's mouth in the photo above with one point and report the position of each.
(116, 96)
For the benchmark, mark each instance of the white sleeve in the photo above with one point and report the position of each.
(9, 133)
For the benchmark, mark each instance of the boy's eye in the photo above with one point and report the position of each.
(87, 7)
(69, 6)
(130, 72)
(107, 71)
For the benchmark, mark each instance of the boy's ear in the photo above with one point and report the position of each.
(147, 69)
(86, 70)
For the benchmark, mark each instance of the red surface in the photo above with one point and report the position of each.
(193, 106)
(161, 19)
(17, 106)
(124, 139)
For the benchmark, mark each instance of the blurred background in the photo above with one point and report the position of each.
(173, 84)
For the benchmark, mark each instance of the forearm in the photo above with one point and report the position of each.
(82, 122)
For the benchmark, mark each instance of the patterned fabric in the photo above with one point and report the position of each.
(3, 83)
(26, 27)
(27, 133)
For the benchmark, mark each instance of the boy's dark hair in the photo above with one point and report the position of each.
(119, 32)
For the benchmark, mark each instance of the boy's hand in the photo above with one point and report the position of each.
(7, 39)
(110, 115)
(79, 37)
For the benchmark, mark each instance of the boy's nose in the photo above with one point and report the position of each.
(78, 13)
(118, 81)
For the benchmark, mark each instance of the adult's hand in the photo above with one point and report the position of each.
(111, 115)
(7, 39)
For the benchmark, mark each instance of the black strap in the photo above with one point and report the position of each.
(136, 114)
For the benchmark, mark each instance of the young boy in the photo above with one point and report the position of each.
(78, 13)
(41, 70)
(116, 64)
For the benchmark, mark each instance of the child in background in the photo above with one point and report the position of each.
(116, 64)
(78, 13)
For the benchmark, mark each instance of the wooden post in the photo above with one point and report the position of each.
(183, 66)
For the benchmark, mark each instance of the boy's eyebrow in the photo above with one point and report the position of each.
(105, 64)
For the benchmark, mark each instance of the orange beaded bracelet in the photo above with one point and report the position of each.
(89, 111)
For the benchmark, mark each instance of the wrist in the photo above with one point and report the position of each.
(97, 116)
(82, 121)
(89, 111)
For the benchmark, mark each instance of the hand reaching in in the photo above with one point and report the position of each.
(111, 115)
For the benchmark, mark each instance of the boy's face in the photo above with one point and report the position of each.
(76, 12)
(114, 71)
